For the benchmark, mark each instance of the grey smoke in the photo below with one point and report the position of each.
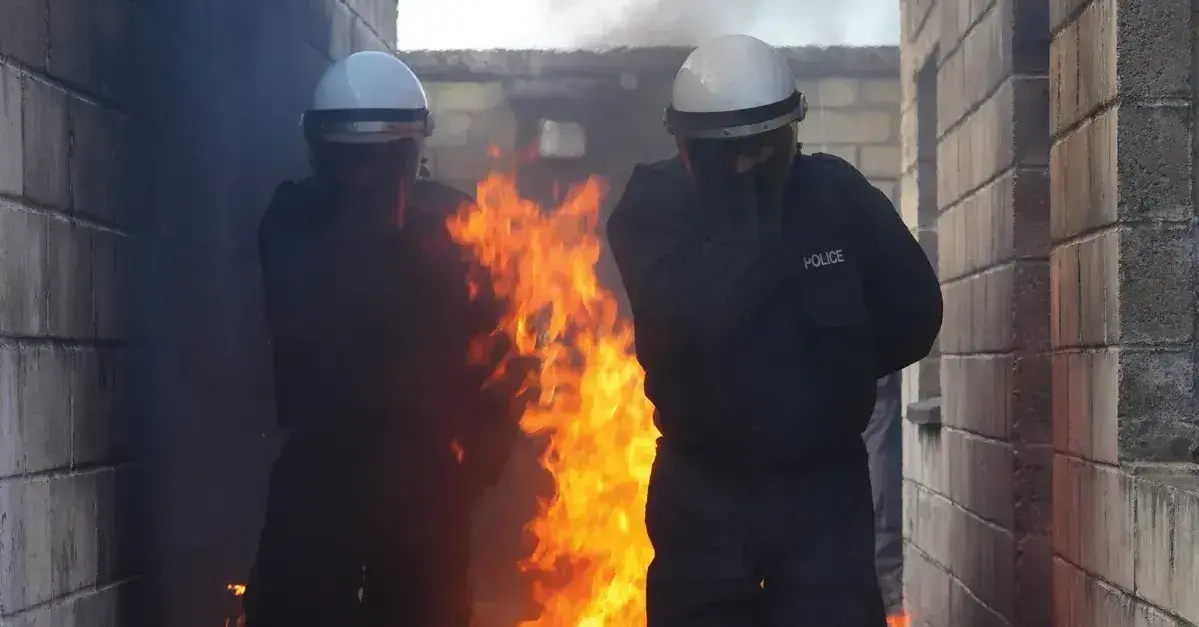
(782, 22)
(597, 24)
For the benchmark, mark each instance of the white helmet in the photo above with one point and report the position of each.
(733, 86)
(368, 97)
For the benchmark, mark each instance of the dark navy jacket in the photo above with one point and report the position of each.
(371, 326)
(765, 351)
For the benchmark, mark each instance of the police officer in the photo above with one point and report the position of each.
(391, 430)
(770, 289)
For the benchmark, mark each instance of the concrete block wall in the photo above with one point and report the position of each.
(1124, 285)
(976, 191)
(139, 143)
(70, 192)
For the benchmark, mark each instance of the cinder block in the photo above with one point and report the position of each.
(909, 137)
(1096, 57)
(986, 56)
(465, 97)
(12, 451)
(23, 303)
(1086, 405)
(45, 407)
(1030, 36)
(1063, 80)
(922, 380)
(1156, 511)
(70, 298)
(12, 164)
(1067, 507)
(339, 23)
(1030, 119)
(1084, 601)
(1186, 553)
(104, 178)
(1155, 388)
(1155, 262)
(825, 127)
(967, 609)
(1025, 234)
(1153, 59)
(46, 145)
(113, 283)
(909, 199)
(1107, 525)
(980, 474)
(835, 93)
(25, 37)
(1061, 10)
(50, 525)
(926, 590)
(91, 42)
(1033, 591)
(92, 405)
(924, 460)
(120, 538)
(452, 129)
(976, 393)
(1153, 162)
(880, 161)
(89, 609)
(885, 92)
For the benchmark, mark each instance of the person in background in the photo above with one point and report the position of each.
(391, 432)
(770, 289)
(884, 444)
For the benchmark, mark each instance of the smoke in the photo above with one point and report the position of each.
(597, 24)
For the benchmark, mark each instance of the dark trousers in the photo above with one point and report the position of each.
(352, 538)
(884, 443)
(761, 550)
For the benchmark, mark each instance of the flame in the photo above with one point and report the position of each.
(592, 549)
(898, 620)
(237, 589)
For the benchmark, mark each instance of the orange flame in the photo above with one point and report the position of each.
(592, 548)
(898, 620)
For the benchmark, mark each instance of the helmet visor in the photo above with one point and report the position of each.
(367, 168)
(734, 177)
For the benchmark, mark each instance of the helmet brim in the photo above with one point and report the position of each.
(363, 126)
(733, 124)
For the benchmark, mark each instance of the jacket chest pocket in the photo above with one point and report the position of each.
(838, 324)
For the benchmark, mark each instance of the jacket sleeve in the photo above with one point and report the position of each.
(900, 286)
(268, 234)
(680, 281)
(499, 380)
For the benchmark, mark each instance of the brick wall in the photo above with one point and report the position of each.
(500, 97)
(69, 194)
(1070, 278)
(139, 143)
(1126, 499)
(975, 189)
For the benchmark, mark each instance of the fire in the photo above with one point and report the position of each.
(592, 547)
